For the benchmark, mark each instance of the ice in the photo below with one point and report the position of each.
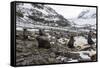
(86, 54)
(73, 60)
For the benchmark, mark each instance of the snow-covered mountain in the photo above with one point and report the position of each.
(85, 21)
(38, 14)
(43, 16)
(87, 14)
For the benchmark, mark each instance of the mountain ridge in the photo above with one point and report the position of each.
(39, 14)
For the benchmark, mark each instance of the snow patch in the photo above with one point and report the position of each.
(80, 41)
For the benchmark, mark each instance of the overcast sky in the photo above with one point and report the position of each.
(69, 11)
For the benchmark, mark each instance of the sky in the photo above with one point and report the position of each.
(70, 11)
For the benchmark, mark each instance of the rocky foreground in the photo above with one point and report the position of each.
(28, 52)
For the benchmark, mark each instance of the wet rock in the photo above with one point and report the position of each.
(20, 60)
(35, 51)
(72, 55)
(51, 60)
(61, 58)
(31, 44)
(86, 49)
(27, 54)
(52, 54)
(38, 59)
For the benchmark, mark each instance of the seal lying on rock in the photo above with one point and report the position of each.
(43, 41)
(90, 41)
(93, 57)
(25, 36)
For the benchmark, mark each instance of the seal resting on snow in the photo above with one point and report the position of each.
(71, 42)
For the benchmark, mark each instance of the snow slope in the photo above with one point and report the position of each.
(28, 15)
